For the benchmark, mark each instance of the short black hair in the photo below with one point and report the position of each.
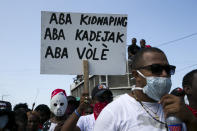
(138, 58)
(21, 105)
(134, 38)
(143, 40)
(188, 78)
(43, 108)
(71, 99)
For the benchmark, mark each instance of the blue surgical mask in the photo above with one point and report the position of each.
(156, 87)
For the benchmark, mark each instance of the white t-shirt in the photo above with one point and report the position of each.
(86, 123)
(127, 114)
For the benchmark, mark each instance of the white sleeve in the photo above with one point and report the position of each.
(105, 121)
(80, 123)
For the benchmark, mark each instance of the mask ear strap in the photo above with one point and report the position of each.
(136, 88)
(141, 74)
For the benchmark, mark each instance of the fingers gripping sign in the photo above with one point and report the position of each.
(85, 98)
(84, 102)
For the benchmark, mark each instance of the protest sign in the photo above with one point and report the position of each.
(69, 38)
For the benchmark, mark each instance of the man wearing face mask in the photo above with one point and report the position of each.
(58, 105)
(140, 110)
(101, 96)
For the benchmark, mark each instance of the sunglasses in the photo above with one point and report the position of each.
(157, 69)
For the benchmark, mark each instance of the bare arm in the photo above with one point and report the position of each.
(71, 123)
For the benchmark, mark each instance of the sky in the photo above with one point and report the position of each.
(159, 22)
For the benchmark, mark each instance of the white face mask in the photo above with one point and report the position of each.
(3, 121)
(156, 87)
(59, 104)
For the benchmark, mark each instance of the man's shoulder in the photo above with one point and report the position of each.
(85, 122)
(137, 47)
(90, 116)
(121, 101)
(123, 97)
(133, 47)
(87, 117)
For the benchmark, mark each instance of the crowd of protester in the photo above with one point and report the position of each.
(44, 118)
(145, 108)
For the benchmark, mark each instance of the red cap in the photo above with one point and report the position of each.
(56, 91)
(148, 46)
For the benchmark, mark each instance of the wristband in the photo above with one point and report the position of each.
(77, 113)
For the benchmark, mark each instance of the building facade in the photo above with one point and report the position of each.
(118, 84)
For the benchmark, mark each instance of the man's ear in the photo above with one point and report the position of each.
(134, 73)
(187, 89)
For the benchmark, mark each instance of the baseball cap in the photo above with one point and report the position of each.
(99, 90)
(5, 107)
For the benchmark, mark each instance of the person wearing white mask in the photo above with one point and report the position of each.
(141, 110)
(58, 106)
